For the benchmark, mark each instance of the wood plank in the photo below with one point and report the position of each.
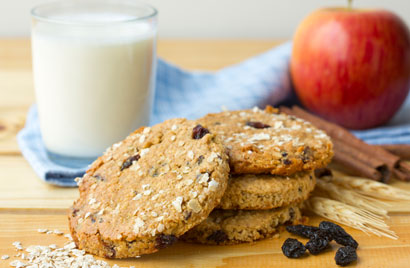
(12, 120)
(211, 54)
(15, 54)
(373, 251)
(22, 189)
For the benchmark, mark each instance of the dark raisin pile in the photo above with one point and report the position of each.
(319, 240)
(199, 131)
(338, 234)
(292, 248)
(302, 230)
(345, 256)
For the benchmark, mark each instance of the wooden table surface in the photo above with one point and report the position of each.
(26, 203)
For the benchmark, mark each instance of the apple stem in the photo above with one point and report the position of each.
(350, 3)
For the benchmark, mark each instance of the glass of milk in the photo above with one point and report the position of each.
(94, 73)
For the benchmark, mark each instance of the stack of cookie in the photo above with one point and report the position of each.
(272, 158)
(226, 178)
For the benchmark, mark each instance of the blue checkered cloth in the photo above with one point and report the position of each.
(261, 80)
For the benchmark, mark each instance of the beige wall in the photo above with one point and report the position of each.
(212, 18)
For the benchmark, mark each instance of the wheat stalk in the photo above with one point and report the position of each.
(354, 217)
(347, 196)
(369, 187)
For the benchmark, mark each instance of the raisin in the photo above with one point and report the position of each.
(302, 230)
(218, 236)
(128, 162)
(188, 215)
(318, 242)
(287, 161)
(292, 248)
(99, 177)
(74, 212)
(199, 131)
(257, 125)
(345, 255)
(200, 159)
(284, 154)
(110, 250)
(338, 234)
(307, 154)
(322, 172)
(291, 214)
(164, 241)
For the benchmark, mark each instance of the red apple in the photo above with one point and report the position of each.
(350, 66)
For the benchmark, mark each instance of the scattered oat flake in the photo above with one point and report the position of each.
(5, 257)
(68, 236)
(42, 230)
(57, 232)
(17, 245)
(18, 264)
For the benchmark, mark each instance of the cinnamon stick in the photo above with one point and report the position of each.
(338, 132)
(354, 154)
(368, 160)
(401, 175)
(356, 167)
(401, 150)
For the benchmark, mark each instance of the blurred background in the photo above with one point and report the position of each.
(218, 19)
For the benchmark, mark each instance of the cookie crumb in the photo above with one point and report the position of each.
(5, 257)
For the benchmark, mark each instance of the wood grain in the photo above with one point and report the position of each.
(373, 251)
(26, 203)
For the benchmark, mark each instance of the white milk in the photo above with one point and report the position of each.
(94, 84)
